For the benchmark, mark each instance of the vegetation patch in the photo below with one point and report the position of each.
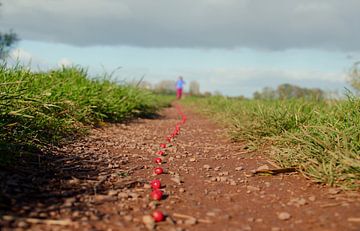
(320, 138)
(42, 109)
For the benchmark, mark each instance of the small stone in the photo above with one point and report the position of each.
(147, 186)
(284, 216)
(192, 159)
(179, 222)
(297, 202)
(176, 179)
(206, 167)
(334, 191)
(354, 219)
(246, 228)
(223, 179)
(153, 204)
(210, 214)
(23, 224)
(252, 188)
(217, 168)
(113, 193)
(123, 195)
(148, 222)
(128, 218)
(239, 168)
(259, 220)
(74, 181)
(177, 229)
(103, 198)
(134, 195)
(275, 229)
(312, 198)
(181, 190)
(69, 201)
(262, 168)
(190, 221)
(251, 219)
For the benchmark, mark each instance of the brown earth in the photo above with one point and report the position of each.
(102, 183)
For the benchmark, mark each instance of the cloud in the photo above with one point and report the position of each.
(64, 62)
(21, 55)
(270, 25)
(25, 58)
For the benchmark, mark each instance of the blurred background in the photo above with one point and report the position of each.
(228, 47)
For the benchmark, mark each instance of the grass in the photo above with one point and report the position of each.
(320, 138)
(38, 110)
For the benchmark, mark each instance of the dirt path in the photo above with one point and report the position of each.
(102, 183)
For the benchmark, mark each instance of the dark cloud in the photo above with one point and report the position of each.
(259, 24)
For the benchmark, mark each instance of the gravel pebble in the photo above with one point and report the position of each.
(206, 167)
(190, 221)
(284, 216)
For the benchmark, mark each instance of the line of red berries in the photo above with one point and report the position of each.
(157, 193)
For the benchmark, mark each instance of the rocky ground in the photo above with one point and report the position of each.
(101, 182)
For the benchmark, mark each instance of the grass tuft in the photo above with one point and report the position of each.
(42, 109)
(321, 139)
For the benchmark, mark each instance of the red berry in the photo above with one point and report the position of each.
(156, 194)
(158, 171)
(158, 160)
(184, 119)
(158, 216)
(163, 145)
(160, 152)
(168, 139)
(155, 184)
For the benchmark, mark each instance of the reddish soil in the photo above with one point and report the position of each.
(102, 183)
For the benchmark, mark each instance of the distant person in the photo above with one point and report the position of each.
(179, 87)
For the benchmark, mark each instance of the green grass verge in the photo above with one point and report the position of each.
(321, 139)
(42, 109)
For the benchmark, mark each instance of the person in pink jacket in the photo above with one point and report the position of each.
(179, 87)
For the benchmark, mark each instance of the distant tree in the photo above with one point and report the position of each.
(240, 97)
(217, 93)
(7, 40)
(144, 84)
(288, 91)
(257, 95)
(354, 76)
(194, 88)
(165, 87)
(266, 93)
(207, 93)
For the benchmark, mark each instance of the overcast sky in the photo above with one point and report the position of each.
(234, 46)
